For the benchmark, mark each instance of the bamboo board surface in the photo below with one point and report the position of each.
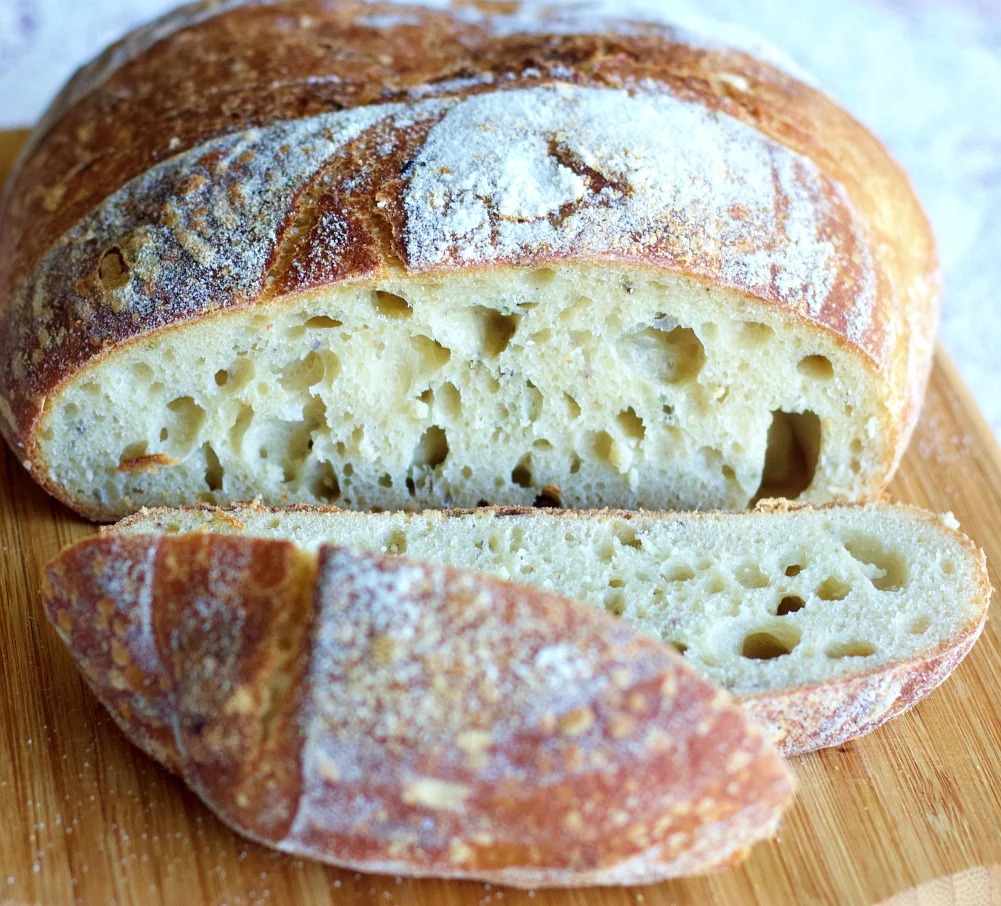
(86, 819)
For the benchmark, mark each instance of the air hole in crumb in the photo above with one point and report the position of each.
(239, 374)
(680, 647)
(627, 536)
(548, 500)
(673, 356)
(397, 543)
(188, 418)
(535, 402)
(816, 367)
(305, 373)
(575, 464)
(542, 444)
(728, 473)
(493, 330)
(854, 648)
(750, 576)
(222, 378)
(324, 484)
(113, 271)
(449, 400)
(322, 322)
(833, 589)
(142, 372)
(948, 567)
(411, 487)
(431, 355)
(920, 626)
(631, 424)
(240, 426)
(890, 566)
(794, 569)
(789, 604)
(432, 449)
(348, 470)
(385, 480)
(615, 602)
(605, 450)
(391, 305)
(543, 276)
(133, 451)
(679, 573)
(573, 408)
(213, 469)
(768, 644)
(521, 474)
(717, 584)
(752, 333)
(164, 434)
(791, 455)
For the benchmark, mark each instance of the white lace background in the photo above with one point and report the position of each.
(925, 75)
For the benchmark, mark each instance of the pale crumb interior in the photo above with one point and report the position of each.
(584, 386)
(756, 602)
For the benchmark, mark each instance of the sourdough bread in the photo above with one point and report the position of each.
(824, 621)
(474, 257)
(412, 719)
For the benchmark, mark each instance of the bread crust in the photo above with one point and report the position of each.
(397, 717)
(119, 220)
(799, 720)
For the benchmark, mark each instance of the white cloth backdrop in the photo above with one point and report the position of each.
(924, 74)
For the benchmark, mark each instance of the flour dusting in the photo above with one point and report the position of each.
(593, 171)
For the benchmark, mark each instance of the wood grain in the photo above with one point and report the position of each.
(86, 819)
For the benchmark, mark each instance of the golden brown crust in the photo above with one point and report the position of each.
(92, 261)
(409, 719)
(800, 719)
(829, 714)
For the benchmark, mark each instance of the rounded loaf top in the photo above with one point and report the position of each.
(237, 153)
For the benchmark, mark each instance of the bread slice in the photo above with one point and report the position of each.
(668, 276)
(825, 621)
(413, 719)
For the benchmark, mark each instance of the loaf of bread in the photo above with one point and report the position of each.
(825, 622)
(386, 256)
(411, 719)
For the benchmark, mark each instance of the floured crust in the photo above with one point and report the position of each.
(799, 719)
(93, 261)
(391, 716)
(829, 714)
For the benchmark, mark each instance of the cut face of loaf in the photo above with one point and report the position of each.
(672, 276)
(584, 386)
(825, 621)
(414, 720)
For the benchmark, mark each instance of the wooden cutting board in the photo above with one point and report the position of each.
(86, 819)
